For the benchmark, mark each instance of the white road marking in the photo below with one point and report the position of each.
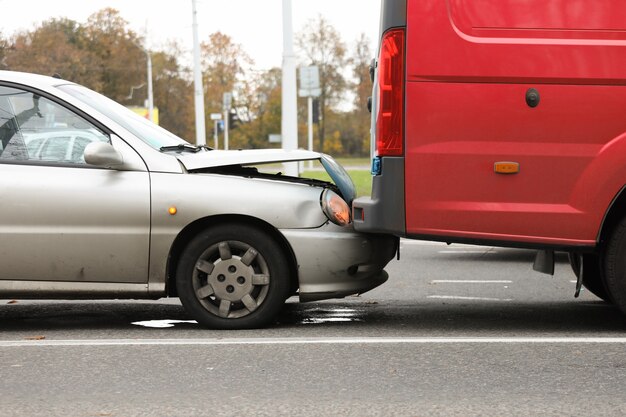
(469, 281)
(309, 341)
(161, 324)
(454, 297)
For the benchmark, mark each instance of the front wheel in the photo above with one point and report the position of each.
(233, 277)
(615, 266)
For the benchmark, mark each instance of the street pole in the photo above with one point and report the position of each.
(150, 91)
(197, 81)
(310, 121)
(289, 123)
(215, 122)
(226, 111)
(309, 88)
(227, 101)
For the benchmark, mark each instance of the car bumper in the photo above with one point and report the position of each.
(334, 261)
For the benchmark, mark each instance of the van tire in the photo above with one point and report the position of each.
(615, 266)
(593, 275)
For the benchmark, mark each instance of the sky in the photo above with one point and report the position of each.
(255, 24)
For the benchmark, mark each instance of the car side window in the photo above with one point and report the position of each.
(33, 128)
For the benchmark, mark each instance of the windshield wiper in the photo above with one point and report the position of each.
(182, 147)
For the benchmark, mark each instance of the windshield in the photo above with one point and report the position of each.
(150, 133)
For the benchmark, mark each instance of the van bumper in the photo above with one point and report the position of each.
(384, 211)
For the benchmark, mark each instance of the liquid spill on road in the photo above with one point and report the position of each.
(342, 315)
(161, 324)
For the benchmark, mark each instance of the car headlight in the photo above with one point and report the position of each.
(335, 208)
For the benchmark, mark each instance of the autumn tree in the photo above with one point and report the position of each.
(106, 56)
(259, 103)
(119, 57)
(58, 46)
(224, 69)
(361, 86)
(4, 46)
(321, 45)
(173, 93)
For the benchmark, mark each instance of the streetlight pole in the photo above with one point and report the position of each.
(310, 124)
(215, 134)
(289, 99)
(150, 99)
(309, 88)
(197, 81)
(150, 91)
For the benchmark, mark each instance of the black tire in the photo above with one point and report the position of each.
(232, 277)
(615, 266)
(593, 275)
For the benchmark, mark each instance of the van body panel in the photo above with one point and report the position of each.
(469, 68)
(438, 49)
(550, 19)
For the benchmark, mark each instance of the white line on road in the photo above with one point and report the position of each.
(309, 341)
(469, 281)
(454, 297)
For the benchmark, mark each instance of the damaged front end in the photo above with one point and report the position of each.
(333, 260)
(267, 164)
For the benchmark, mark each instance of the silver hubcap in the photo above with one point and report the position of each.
(231, 279)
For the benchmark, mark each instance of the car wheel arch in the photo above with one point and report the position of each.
(199, 225)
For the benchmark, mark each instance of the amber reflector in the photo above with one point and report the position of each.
(506, 167)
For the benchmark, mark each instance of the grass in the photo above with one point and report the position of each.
(354, 162)
(362, 179)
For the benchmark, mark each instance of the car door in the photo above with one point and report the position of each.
(60, 218)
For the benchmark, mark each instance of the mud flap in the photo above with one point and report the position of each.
(544, 262)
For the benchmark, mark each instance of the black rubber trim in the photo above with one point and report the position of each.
(392, 14)
(505, 243)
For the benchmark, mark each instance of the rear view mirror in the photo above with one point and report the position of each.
(103, 155)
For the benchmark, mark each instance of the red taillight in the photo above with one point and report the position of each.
(390, 119)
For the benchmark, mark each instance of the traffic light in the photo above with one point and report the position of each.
(316, 111)
(233, 120)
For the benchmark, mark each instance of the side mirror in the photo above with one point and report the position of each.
(103, 155)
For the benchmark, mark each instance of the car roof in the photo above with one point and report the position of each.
(34, 80)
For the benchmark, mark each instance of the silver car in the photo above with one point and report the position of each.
(137, 212)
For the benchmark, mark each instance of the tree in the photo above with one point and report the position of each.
(224, 66)
(173, 93)
(119, 58)
(362, 89)
(4, 48)
(106, 56)
(261, 101)
(321, 45)
(58, 46)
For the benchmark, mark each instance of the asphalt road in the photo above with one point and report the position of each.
(457, 330)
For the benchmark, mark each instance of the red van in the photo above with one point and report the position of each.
(503, 122)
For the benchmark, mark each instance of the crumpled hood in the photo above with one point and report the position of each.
(212, 159)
